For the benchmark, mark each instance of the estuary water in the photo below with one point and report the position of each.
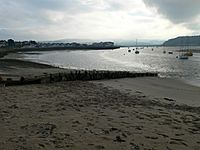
(150, 59)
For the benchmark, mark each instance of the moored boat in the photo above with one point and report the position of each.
(188, 53)
(137, 52)
(182, 57)
(170, 52)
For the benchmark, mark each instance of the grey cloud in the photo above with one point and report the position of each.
(15, 13)
(178, 11)
(23, 13)
(47, 4)
(19, 17)
(35, 5)
(17, 34)
(4, 34)
(42, 19)
(115, 5)
(193, 25)
(70, 6)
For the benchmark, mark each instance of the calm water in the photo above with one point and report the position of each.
(148, 60)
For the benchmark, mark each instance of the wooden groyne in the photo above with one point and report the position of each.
(75, 75)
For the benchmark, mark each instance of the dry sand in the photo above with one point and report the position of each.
(85, 115)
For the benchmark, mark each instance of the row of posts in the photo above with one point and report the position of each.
(94, 75)
(77, 75)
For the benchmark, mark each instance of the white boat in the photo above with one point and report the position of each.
(182, 57)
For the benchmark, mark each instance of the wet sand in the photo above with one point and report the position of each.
(86, 115)
(158, 88)
(17, 68)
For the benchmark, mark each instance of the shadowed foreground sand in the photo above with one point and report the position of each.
(83, 115)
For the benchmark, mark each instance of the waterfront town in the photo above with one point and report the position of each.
(10, 43)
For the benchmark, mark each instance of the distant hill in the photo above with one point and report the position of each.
(183, 41)
(119, 42)
(81, 41)
(140, 42)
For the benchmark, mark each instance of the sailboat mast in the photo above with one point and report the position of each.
(136, 44)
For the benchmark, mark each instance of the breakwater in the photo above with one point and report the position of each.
(75, 75)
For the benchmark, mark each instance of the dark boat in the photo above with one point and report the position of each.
(170, 52)
(137, 52)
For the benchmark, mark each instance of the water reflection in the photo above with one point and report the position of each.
(121, 59)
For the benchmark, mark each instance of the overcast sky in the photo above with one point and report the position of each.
(98, 19)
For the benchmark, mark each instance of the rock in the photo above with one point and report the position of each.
(100, 147)
(169, 99)
(134, 146)
(118, 139)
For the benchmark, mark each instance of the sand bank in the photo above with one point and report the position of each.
(83, 115)
(18, 72)
(158, 88)
(18, 68)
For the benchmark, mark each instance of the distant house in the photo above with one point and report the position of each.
(103, 44)
(74, 44)
(11, 43)
(18, 44)
(33, 44)
(109, 44)
(3, 43)
(29, 44)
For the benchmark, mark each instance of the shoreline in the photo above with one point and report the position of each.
(27, 69)
(128, 113)
(156, 86)
(5, 51)
(17, 65)
(22, 68)
(33, 72)
(193, 79)
(53, 74)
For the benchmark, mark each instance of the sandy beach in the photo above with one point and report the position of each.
(122, 114)
(99, 75)
(94, 115)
